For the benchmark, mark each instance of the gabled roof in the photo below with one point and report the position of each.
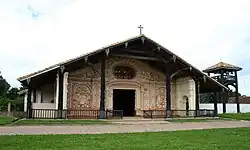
(75, 59)
(222, 65)
(112, 46)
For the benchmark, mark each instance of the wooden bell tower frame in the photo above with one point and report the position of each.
(226, 74)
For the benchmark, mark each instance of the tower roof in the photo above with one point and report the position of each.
(222, 65)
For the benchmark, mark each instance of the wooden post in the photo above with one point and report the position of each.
(237, 93)
(220, 93)
(60, 91)
(197, 98)
(29, 105)
(102, 96)
(224, 107)
(168, 92)
(215, 104)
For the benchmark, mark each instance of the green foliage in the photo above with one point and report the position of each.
(3, 104)
(212, 139)
(7, 94)
(18, 104)
(12, 94)
(4, 86)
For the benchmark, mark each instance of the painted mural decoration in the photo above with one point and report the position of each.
(160, 98)
(124, 72)
(85, 73)
(82, 96)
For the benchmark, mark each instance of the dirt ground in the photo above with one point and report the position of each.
(120, 127)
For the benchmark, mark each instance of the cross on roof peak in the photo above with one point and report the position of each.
(140, 27)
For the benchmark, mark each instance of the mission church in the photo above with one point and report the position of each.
(132, 76)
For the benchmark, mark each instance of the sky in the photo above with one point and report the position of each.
(35, 34)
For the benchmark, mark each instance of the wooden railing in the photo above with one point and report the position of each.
(116, 114)
(178, 113)
(74, 114)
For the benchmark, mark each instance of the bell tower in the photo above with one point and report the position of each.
(226, 74)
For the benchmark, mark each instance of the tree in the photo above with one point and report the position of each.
(12, 94)
(4, 86)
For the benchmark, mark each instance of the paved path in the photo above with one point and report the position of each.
(119, 128)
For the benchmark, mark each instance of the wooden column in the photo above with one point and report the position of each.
(223, 102)
(236, 92)
(168, 92)
(102, 96)
(215, 104)
(197, 97)
(222, 99)
(60, 91)
(29, 104)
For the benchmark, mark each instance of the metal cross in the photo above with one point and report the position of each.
(140, 27)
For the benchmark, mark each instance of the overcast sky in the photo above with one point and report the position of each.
(37, 33)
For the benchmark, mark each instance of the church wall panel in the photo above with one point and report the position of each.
(84, 86)
(185, 87)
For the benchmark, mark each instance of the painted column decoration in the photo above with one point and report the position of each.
(25, 102)
(57, 91)
(65, 90)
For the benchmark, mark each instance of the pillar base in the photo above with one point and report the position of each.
(168, 114)
(102, 114)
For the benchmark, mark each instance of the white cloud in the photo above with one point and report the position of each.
(202, 32)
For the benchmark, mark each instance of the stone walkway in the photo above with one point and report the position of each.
(119, 128)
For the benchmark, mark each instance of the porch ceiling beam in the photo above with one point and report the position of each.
(131, 50)
(137, 57)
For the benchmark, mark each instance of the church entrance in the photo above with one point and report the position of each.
(124, 99)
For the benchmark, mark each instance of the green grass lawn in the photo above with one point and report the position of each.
(4, 120)
(238, 116)
(57, 122)
(216, 139)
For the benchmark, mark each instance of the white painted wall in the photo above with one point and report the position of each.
(65, 90)
(25, 102)
(44, 106)
(230, 108)
(185, 87)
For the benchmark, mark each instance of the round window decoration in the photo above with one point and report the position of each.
(123, 72)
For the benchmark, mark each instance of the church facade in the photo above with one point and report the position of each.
(132, 76)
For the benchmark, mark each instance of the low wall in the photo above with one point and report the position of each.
(230, 108)
(44, 114)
